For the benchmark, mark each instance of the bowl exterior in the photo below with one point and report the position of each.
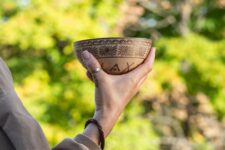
(116, 55)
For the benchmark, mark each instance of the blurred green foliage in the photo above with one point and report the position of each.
(199, 63)
(36, 39)
(175, 18)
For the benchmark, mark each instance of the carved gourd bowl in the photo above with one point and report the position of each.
(116, 55)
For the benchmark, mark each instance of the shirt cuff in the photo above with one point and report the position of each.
(80, 138)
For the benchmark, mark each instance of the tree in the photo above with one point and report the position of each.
(171, 18)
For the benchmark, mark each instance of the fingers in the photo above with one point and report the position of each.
(93, 66)
(144, 68)
(89, 76)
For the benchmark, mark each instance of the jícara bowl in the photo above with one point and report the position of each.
(116, 55)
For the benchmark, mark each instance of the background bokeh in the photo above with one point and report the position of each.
(181, 106)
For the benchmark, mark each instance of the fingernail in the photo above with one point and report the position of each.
(85, 54)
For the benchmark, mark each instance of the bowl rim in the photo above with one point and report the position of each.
(107, 38)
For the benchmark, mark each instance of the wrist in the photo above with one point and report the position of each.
(91, 131)
(107, 119)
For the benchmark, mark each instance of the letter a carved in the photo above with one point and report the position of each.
(115, 68)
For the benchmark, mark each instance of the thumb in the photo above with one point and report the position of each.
(92, 65)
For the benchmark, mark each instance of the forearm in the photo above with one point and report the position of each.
(106, 119)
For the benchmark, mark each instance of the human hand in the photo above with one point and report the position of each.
(113, 92)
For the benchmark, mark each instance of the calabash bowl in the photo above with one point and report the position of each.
(115, 55)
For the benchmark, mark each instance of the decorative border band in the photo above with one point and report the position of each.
(109, 41)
